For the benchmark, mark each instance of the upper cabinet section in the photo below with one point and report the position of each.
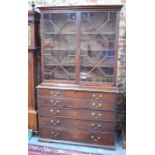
(79, 44)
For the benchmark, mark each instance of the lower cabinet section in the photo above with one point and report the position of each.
(89, 137)
(75, 116)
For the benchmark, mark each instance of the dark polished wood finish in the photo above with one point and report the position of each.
(84, 8)
(76, 113)
(77, 95)
(79, 124)
(101, 138)
(92, 104)
(33, 48)
(88, 88)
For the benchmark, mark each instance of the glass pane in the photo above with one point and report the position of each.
(29, 35)
(97, 46)
(59, 43)
(60, 23)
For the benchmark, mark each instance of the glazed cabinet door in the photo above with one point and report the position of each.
(59, 46)
(79, 46)
(97, 50)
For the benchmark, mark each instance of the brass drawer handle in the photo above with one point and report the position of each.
(100, 95)
(54, 93)
(51, 92)
(94, 95)
(57, 93)
(55, 112)
(97, 126)
(97, 106)
(55, 122)
(96, 115)
(95, 138)
(55, 134)
(55, 102)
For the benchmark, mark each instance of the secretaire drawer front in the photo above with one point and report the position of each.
(101, 105)
(77, 113)
(101, 138)
(90, 95)
(76, 124)
(76, 94)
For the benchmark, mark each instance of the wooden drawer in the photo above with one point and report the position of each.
(76, 124)
(101, 138)
(101, 105)
(76, 94)
(89, 95)
(76, 113)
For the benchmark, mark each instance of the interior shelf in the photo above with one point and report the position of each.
(73, 65)
(73, 33)
(54, 49)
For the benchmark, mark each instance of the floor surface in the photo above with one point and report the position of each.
(117, 151)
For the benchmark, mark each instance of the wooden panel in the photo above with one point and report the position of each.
(84, 8)
(32, 120)
(76, 94)
(56, 85)
(101, 105)
(76, 124)
(77, 136)
(33, 48)
(31, 98)
(76, 113)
